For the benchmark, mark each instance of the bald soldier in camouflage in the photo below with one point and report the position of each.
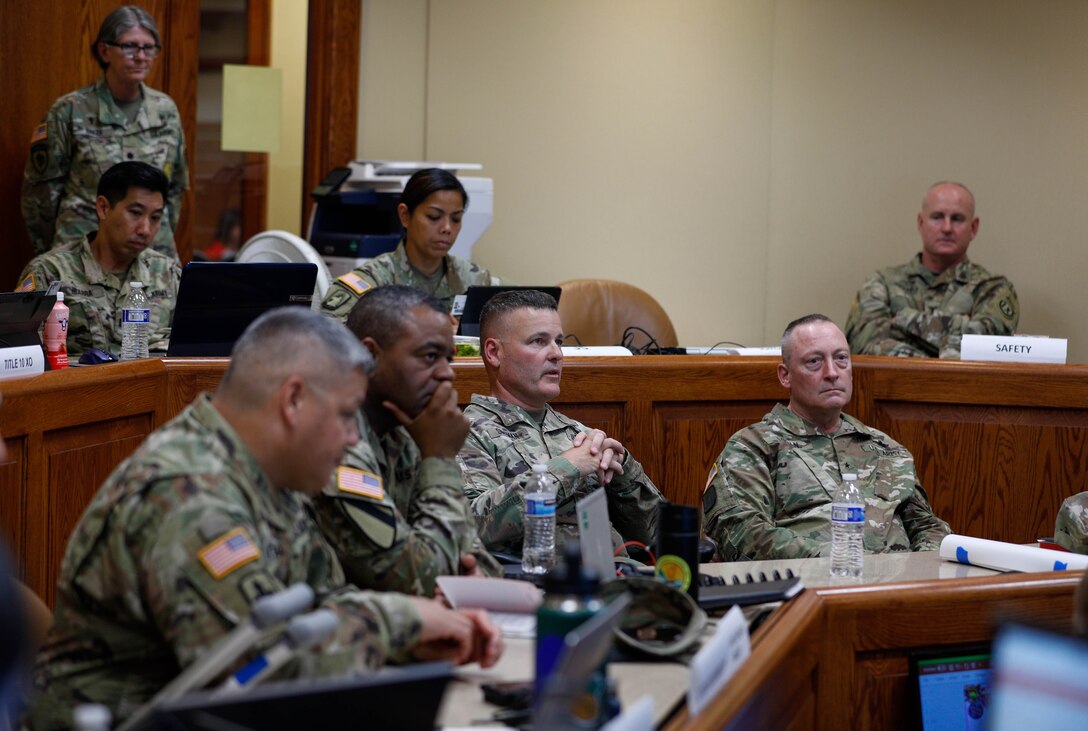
(925, 307)
(95, 274)
(117, 118)
(1071, 528)
(769, 493)
(394, 510)
(515, 428)
(210, 514)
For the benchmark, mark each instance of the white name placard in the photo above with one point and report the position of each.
(1013, 348)
(719, 659)
(21, 361)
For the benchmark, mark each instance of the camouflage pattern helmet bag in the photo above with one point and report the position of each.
(661, 620)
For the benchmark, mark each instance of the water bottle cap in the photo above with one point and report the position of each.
(136, 285)
(849, 477)
(539, 468)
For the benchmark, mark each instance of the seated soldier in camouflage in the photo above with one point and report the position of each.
(95, 273)
(394, 510)
(1071, 528)
(512, 429)
(925, 307)
(430, 209)
(769, 494)
(210, 514)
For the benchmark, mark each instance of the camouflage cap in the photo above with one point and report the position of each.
(661, 619)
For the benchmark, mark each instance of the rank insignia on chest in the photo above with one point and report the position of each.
(359, 482)
(228, 552)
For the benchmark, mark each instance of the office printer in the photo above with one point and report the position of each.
(354, 217)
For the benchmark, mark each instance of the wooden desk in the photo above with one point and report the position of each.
(837, 656)
(998, 446)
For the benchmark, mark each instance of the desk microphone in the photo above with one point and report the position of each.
(301, 634)
(266, 612)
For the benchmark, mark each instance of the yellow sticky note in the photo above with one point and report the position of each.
(251, 108)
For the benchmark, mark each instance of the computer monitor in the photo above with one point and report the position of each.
(952, 687)
(477, 297)
(405, 698)
(217, 302)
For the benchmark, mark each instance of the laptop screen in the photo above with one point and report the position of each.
(217, 302)
(477, 297)
(953, 688)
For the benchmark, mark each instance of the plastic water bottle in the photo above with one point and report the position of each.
(847, 529)
(91, 717)
(538, 549)
(135, 324)
(55, 335)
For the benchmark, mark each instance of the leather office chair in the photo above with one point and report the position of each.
(598, 311)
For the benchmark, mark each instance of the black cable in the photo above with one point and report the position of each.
(573, 337)
(650, 348)
(722, 342)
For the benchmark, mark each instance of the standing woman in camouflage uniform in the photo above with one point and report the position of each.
(86, 132)
(430, 209)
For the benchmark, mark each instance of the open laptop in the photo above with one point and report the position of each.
(21, 314)
(217, 302)
(404, 698)
(952, 687)
(477, 297)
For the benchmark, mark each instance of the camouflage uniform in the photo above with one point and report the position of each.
(398, 521)
(96, 297)
(769, 494)
(505, 441)
(910, 311)
(82, 136)
(1071, 528)
(140, 597)
(393, 267)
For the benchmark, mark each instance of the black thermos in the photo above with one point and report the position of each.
(678, 530)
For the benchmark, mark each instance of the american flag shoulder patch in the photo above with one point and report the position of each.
(40, 133)
(228, 552)
(357, 283)
(359, 482)
(710, 478)
(27, 285)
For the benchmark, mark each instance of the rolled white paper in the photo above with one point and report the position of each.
(1009, 556)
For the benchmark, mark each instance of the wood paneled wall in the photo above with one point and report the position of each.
(998, 447)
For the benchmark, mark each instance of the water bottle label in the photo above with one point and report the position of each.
(534, 506)
(136, 316)
(841, 513)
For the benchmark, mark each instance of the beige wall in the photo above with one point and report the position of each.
(748, 161)
(283, 206)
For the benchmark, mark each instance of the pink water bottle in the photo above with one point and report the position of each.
(56, 335)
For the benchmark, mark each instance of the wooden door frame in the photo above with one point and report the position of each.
(332, 89)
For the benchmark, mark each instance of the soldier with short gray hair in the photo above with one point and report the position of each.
(769, 494)
(210, 514)
(115, 119)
